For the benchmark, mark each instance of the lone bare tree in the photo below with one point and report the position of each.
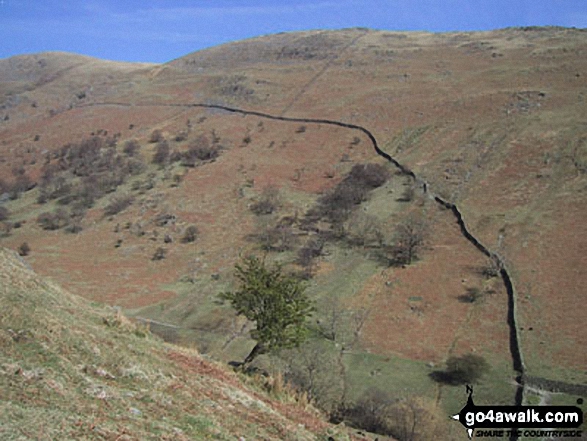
(407, 242)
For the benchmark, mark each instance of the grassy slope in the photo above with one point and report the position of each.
(73, 370)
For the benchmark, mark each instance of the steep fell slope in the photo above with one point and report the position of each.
(73, 370)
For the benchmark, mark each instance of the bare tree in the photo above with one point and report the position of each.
(407, 242)
(268, 202)
(364, 229)
(309, 369)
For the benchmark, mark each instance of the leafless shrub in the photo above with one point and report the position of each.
(337, 205)
(21, 184)
(156, 136)
(24, 249)
(268, 202)
(117, 204)
(53, 221)
(160, 254)
(408, 194)
(161, 155)
(131, 148)
(368, 413)
(181, 136)
(364, 230)
(4, 213)
(190, 234)
(307, 255)
(309, 369)
(491, 269)
(275, 235)
(199, 150)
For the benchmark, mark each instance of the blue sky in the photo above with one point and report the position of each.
(159, 31)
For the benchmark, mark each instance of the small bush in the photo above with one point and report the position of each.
(53, 221)
(408, 194)
(275, 236)
(162, 151)
(473, 295)
(190, 234)
(490, 270)
(117, 204)
(369, 175)
(131, 148)
(4, 213)
(74, 228)
(199, 150)
(160, 254)
(310, 251)
(466, 369)
(24, 249)
(21, 184)
(156, 136)
(267, 203)
(368, 413)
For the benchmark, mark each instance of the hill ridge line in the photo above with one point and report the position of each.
(515, 347)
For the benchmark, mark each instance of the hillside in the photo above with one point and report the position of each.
(486, 148)
(73, 370)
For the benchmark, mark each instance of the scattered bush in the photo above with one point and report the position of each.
(190, 234)
(490, 270)
(86, 171)
(364, 230)
(117, 204)
(5, 229)
(52, 186)
(131, 148)
(24, 249)
(369, 175)
(275, 235)
(473, 295)
(4, 213)
(408, 194)
(369, 412)
(199, 150)
(161, 155)
(21, 184)
(337, 205)
(306, 255)
(156, 136)
(160, 254)
(53, 221)
(268, 202)
(310, 370)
